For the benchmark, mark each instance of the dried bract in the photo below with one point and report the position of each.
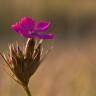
(23, 63)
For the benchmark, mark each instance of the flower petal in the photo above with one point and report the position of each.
(45, 36)
(39, 36)
(42, 26)
(16, 27)
(29, 35)
(27, 23)
(28, 28)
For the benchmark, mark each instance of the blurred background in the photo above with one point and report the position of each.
(70, 69)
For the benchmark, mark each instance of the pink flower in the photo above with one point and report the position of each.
(29, 28)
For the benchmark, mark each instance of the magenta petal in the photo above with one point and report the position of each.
(39, 36)
(28, 28)
(45, 36)
(27, 23)
(42, 26)
(16, 28)
(27, 35)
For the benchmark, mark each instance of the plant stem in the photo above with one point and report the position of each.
(27, 91)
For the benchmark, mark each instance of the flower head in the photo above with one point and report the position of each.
(29, 28)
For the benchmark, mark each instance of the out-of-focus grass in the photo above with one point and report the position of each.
(71, 67)
(68, 71)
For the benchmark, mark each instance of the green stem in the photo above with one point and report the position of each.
(27, 91)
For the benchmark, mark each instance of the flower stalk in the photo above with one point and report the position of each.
(23, 63)
(26, 88)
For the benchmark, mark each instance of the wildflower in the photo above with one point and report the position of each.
(24, 62)
(29, 28)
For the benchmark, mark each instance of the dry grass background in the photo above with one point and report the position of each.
(69, 70)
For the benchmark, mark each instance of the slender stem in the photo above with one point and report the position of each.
(27, 91)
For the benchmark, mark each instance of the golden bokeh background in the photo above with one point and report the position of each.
(70, 69)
